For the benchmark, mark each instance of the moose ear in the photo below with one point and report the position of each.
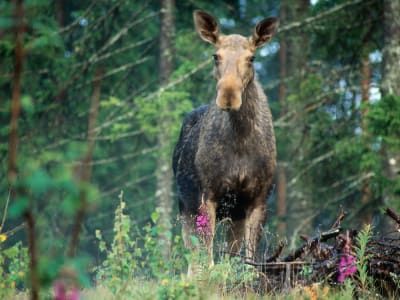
(206, 26)
(264, 31)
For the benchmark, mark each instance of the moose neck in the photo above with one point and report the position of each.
(242, 121)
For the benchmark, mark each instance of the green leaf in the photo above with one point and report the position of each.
(38, 182)
(11, 252)
(138, 252)
(19, 207)
(168, 234)
(155, 216)
(194, 240)
(70, 204)
(27, 104)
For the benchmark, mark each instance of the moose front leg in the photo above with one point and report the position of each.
(255, 221)
(206, 225)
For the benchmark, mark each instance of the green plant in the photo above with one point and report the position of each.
(232, 276)
(13, 267)
(363, 257)
(177, 288)
(132, 257)
(117, 269)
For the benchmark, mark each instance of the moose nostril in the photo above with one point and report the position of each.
(229, 94)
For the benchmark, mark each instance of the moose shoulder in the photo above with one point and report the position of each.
(224, 161)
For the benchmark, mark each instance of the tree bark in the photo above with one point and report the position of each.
(391, 80)
(13, 146)
(298, 198)
(16, 91)
(59, 10)
(391, 50)
(164, 170)
(366, 192)
(281, 190)
(84, 170)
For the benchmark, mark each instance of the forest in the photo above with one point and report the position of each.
(93, 96)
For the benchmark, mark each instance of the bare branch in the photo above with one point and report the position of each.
(125, 156)
(3, 220)
(76, 22)
(311, 165)
(112, 40)
(323, 15)
(154, 94)
(115, 71)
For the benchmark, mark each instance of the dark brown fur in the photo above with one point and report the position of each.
(225, 156)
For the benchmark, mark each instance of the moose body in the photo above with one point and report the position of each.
(224, 161)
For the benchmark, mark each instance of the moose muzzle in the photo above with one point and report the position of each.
(229, 94)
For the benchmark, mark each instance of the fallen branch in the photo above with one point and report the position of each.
(317, 261)
(393, 215)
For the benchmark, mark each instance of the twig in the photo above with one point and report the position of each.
(76, 22)
(276, 253)
(114, 71)
(324, 236)
(15, 229)
(393, 215)
(323, 15)
(154, 94)
(339, 219)
(3, 221)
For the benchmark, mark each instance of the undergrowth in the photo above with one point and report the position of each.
(133, 267)
(13, 267)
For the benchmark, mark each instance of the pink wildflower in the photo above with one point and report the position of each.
(203, 221)
(347, 262)
(61, 293)
(347, 266)
(203, 224)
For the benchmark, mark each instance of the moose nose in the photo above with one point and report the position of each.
(229, 94)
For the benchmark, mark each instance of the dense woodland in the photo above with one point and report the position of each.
(94, 94)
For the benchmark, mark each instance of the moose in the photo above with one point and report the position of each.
(224, 160)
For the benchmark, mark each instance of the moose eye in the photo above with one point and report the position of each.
(252, 58)
(216, 58)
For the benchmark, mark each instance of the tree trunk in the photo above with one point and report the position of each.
(299, 198)
(391, 50)
(164, 171)
(281, 190)
(13, 147)
(366, 192)
(59, 10)
(391, 79)
(84, 170)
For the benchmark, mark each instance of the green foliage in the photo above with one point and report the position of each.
(347, 290)
(177, 288)
(363, 257)
(383, 120)
(232, 276)
(169, 106)
(384, 123)
(130, 257)
(13, 267)
(120, 264)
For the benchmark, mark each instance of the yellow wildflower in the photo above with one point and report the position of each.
(164, 282)
(3, 237)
